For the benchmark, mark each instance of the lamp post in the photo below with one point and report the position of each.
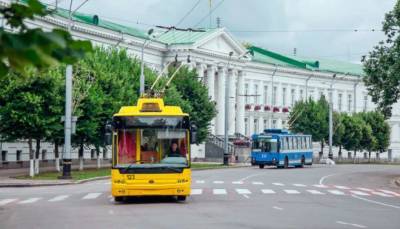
(226, 153)
(330, 154)
(147, 41)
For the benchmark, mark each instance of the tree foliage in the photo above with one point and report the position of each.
(382, 66)
(22, 47)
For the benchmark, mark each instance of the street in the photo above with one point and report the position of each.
(342, 196)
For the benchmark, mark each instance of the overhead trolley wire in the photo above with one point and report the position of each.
(188, 13)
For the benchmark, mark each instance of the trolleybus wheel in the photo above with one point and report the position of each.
(181, 198)
(286, 164)
(118, 198)
(303, 161)
(261, 166)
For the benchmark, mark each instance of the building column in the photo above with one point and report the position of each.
(200, 68)
(221, 101)
(240, 104)
(232, 101)
(251, 124)
(210, 82)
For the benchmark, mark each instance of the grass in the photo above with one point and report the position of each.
(92, 173)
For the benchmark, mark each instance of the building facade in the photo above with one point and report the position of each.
(263, 85)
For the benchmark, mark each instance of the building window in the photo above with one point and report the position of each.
(292, 94)
(274, 123)
(256, 125)
(301, 94)
(265, 124)
(284, 96)
(44, 156)
(311, 95)
(256, 94)
(340, 101)
(349, 102)
(4, 156)
(265, 95)
(246, 92)
(274, 96)
(19, 152)
(365, 102)
(246, 126)
(321, 93)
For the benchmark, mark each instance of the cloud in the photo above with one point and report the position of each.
(290, 15)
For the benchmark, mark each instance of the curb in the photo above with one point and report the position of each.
(397, 182)
(27, 185)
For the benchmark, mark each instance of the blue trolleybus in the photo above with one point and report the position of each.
(281, 148)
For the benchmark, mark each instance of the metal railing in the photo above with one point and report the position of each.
(219, 141)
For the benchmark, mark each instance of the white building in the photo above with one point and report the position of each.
(263, 85)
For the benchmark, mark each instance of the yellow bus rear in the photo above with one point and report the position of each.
(151, 151)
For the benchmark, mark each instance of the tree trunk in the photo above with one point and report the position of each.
(31, 156)
(322, 148)
(369, 156)
(340, 151)
(98, 157)
(37, 156)
(354, 156)
(81, 156)
(56, 155)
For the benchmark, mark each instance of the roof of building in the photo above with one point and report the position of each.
(184, 37)
(323, 65)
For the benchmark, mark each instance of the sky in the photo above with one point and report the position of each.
(315, 28)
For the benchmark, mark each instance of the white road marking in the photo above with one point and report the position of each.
(246, 196)
(6, 201)
(277, 208)
(219, 191)
(351, 224)
(299, 185)
(315, 192)
(376, 202)
(237, 182)
(342, 187)
(381, 194)
(30, 200)
(243, 191)
(324, 177)
(93, 195)
(58, 198)
(200, 182)
(252, 175)
(257, 183)
(320, 186)
(290, 191)
(267, 191)
(336, 192)
(365, 189)
(389, 192)
(359, 193)
(196, 192)
(278, 184)
(218, 182)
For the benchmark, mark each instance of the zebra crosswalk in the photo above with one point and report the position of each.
(205, 189)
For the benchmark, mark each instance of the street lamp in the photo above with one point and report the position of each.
(147, 41)
(330, 154)
(226, 153)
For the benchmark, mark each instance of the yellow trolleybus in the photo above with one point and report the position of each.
(151, 150)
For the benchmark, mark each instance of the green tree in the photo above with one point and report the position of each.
(29, 108)
(353, 133)
(22, 47)
(380, 130)
(382, 66)
(338, 131)
(311, 117)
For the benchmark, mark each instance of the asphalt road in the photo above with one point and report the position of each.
(343, 196)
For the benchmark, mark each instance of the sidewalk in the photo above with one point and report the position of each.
(7, 177)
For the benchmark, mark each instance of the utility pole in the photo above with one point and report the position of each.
(330, 154)
(226, 153)
(66, 174)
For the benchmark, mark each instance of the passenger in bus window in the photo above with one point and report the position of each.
(174, 150)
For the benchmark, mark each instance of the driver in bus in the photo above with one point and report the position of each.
(174, 150)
